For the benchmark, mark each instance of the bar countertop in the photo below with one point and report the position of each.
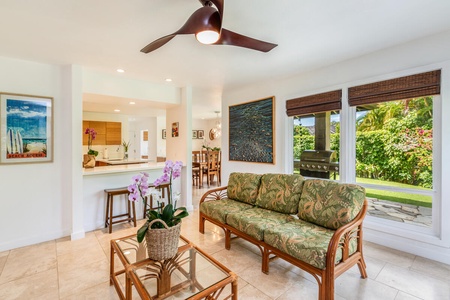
(135, 167)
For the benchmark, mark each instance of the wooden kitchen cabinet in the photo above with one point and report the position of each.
(113, 133)
(108, 133)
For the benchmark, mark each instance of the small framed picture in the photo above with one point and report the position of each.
(200, 134)
(194, 134)
(164, 134)
(175, 128)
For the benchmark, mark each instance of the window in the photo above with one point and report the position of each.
(316, 134)
(316, 145)
(395, 146)
(394, 159)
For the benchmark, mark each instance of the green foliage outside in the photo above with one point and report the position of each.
(393, 142)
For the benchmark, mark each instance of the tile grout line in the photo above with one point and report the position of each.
(57, 269)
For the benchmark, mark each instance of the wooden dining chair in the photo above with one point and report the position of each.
(196, 165)
(212, 167)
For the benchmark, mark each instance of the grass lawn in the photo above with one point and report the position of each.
(401, 197)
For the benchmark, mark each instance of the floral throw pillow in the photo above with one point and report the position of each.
(330, 204)
(243, 187)
(280, 192)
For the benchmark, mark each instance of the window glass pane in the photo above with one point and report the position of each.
(316, 145)
(394, 153)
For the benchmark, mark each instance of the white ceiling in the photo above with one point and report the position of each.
(107, 34)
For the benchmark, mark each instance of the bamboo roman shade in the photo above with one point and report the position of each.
(314, 104)
(413, 86)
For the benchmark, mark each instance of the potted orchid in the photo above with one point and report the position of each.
(91, 137)
(170, 214)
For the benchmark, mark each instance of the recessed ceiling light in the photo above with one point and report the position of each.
(120, 70)
(168, 79)
(132, 102)
(117, 110)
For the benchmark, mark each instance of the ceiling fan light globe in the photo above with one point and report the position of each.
(207, 37)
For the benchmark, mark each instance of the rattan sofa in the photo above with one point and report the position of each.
(314, 224)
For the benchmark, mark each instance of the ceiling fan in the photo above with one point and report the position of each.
(206, 24)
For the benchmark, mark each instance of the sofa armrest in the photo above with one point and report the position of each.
(342, 238)
(214, 194)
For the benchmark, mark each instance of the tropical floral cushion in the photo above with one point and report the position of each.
(330, 204)
(256, 220)
(218, 209)
(280, 192)
(304, 241)
(243, 187)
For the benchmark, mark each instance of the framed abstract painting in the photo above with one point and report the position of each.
(252, 131)
(26, 134)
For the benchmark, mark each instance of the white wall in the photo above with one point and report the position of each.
(206, 126)
(419, 56)
(33, 202)
(137, 127)
(160, 142)
(180, 147)
(120, 86)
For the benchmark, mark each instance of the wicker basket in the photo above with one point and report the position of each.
(162, 243)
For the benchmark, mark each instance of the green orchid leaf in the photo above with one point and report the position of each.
(141, 232)
(167, 214)
(180, 213)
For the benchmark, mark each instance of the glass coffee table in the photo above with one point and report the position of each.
(191, 274)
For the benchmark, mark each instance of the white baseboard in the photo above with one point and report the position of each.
(27, 241)
(433, 252)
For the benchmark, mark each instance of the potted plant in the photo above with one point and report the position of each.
(89, 158)
(125, 145)
(162, 223)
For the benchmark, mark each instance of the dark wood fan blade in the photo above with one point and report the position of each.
(158, 43)
(203, 18)
(235, 39)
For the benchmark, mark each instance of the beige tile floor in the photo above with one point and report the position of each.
(65, 269)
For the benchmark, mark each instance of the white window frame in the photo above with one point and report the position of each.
(431, 235)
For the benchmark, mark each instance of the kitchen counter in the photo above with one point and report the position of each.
(96, 180)
(122, 168)
(119, 161)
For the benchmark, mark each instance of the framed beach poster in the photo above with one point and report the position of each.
(251, 131)
(26, 129)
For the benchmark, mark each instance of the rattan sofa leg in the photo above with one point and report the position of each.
(322, 291)
(265, 261)
(227, 239)
(362, 268)
(328, 283)
(201, 225)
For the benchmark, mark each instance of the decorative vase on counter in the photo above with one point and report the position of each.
(88, 161)
(125, 155)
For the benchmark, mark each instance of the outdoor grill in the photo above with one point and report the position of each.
(318, 163)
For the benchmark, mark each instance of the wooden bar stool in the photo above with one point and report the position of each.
(109, 218)
(164, 188)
